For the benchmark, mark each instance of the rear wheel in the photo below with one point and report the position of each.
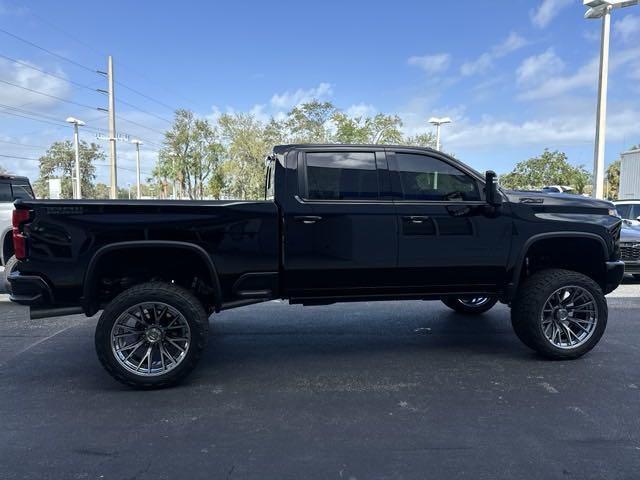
(559, 313)
(152, 335)
(470, 305)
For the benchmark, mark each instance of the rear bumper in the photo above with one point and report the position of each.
(615, 273)
(31, 290)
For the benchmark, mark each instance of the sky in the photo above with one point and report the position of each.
(516, 76)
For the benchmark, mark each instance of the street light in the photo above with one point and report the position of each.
(438, 122)
(137, 143)
(602, 9)
(76, 123)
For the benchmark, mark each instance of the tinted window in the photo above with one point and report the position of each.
(5, 193)
(624, 210)
(635, 211)
(22, 191)
(342, 176)
(426, 178)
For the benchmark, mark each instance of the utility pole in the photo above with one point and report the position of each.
(137, 143)
(112, 130)
(76, 143)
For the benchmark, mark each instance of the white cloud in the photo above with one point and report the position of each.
(361, 110)
(586, 77)
(547, 11)
(539, 67)
(553, 131)
(32, 79)
(431, 63)
(556, 85)
(290, 99)
(628, 28)
(485, 61)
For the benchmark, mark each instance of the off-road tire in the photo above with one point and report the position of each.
(526, 311)
(456, 304)
(177, 297)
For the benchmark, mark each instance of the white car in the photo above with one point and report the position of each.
(12, 187)
(629, 210)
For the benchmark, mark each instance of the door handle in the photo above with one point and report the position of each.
(307, 220)
(415, 219)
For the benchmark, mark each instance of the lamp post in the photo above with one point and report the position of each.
(602, 9)
(137, 143)
(76, 123)
(438, 122)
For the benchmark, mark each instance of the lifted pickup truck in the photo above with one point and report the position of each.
(339, 224)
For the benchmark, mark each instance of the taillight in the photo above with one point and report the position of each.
(19, 218)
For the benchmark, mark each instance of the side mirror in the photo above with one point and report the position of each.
(492, 194)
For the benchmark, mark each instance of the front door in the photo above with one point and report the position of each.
(340, 232)
(449, 240)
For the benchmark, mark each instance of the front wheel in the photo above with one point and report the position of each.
(152, 335)
(470, 305)
(559, 313)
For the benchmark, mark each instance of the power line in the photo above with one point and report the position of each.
(145, 112)
(49, 95)
(57, 55)
(20, 158)
(173, 109)
(25, 145)
(60, 77)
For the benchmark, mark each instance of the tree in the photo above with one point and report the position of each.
(311, 122)
(421, 140)
(191, 154)
(247, 143)
(59, 162)
(550, 168)
(367, 130)
(613, 180)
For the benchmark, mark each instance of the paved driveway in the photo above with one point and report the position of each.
(363, 391)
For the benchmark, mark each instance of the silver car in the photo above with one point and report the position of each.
(630, 250)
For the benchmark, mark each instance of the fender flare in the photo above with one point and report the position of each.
(88, 291)
(519, 263)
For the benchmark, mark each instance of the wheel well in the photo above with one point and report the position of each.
(7, 247)
(118, 269)
(579, 254)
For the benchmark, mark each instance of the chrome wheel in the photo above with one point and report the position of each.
(569, 317)
(474, 302)
(150, 339)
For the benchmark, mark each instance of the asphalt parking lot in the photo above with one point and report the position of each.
(355, 391)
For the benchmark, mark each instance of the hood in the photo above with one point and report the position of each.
(556, 199)
(629, 234)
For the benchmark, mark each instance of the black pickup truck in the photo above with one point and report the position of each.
(338, 224)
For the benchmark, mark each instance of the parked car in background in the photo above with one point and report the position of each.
(629, 210)
(12, 187)
(630, 250)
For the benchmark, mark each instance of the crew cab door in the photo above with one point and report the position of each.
(449, 240)
(340, 234)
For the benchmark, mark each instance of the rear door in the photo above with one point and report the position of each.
(340, 231)
(448, 239)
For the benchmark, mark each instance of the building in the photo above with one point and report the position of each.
(630, 175)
